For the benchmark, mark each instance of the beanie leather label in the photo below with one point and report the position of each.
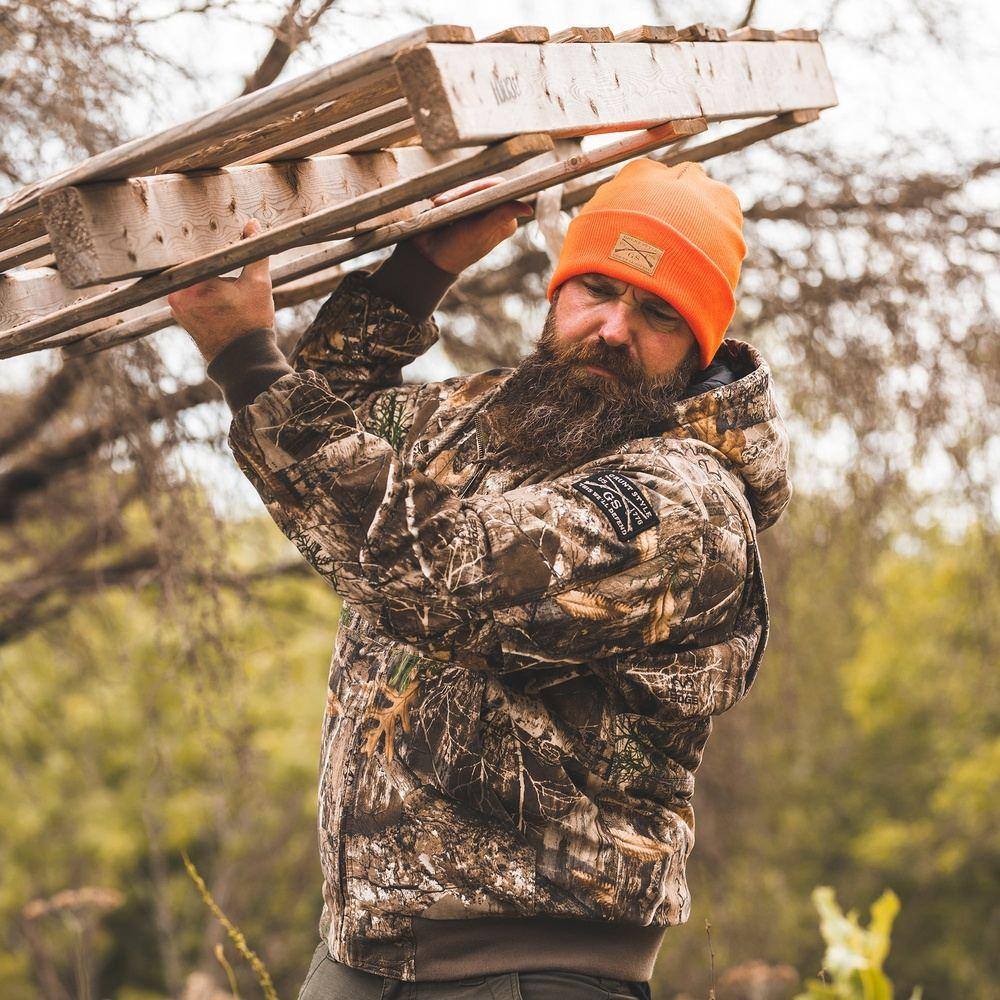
(636, 253)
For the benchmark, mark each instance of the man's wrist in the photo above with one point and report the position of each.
(411, 281)
(247, 366)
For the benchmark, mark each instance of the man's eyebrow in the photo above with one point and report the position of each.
(662, 304)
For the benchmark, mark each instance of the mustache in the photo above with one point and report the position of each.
(614, 360)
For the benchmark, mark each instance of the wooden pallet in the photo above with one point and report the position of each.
(344, 159)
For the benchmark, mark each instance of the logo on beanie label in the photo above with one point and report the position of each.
(636, 253)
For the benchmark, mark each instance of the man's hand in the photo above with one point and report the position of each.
(218, 311)
(454, 247)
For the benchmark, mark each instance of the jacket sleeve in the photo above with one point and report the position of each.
(620, 554)
(373, 324)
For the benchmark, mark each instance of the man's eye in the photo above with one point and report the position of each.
(597, 289)
(661, 317)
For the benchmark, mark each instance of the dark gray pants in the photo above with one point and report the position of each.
(330, 980)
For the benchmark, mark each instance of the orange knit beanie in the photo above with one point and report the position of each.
(671, 230)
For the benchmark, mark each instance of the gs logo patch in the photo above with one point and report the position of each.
(621, 501)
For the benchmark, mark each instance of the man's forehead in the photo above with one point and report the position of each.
(621, 286)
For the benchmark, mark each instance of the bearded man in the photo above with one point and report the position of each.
(551, 584)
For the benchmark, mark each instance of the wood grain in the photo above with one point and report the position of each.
(146, 154)
(464, 95)
(105, 232)
(312, 228)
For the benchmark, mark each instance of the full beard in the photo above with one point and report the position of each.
(552, 409)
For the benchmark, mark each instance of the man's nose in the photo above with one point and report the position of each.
(615, 331)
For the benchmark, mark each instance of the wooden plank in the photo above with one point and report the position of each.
(749, 34)
(469, 94)
(365, 96)
(21, 228)
(399, 134)
(146, 154)
(530, 34)
(528, 182)
(355, 128)
(152, 316)
(121, 229)
(157, 316)
(312, 228)
(33, 250)
(588, 36)
(29, 294)
(699, 32)
(583, 190)
(648, 33)
(799, 35)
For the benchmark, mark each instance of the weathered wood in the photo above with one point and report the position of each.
(359, 127)
(145, 155)
(153, 316)
(464, 95)
(699, 32)
(312, 228)
(293, 293)
(522, 186)
(530, 34)
(21, 228)
(403, 133)
(588, 36)
(49, 292)
(18, 256)
(579, 191)
(121, 229)
(648, 33)
(365, 96)
(799, 35)
(749, 34)
(32, 293)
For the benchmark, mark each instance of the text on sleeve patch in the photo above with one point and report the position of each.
(621, 501)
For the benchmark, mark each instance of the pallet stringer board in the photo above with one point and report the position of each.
(119, 229)
(550, 88)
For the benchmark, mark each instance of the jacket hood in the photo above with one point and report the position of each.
(740, 420)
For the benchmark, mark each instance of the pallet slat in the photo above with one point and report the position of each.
(466, 95)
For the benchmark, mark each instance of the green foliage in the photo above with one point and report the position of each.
(854, 955)
(867, 754)
(127, 738)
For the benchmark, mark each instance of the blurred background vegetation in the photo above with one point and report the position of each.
(163, 651)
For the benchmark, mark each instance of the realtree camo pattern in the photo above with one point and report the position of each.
(518, 699)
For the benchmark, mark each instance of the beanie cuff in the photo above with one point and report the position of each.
(683, 275)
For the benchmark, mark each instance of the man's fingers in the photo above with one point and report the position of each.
(470, 187)
(258, 270)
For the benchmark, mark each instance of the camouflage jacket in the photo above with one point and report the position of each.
(528, 659)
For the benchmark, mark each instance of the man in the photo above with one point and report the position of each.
(551, 583)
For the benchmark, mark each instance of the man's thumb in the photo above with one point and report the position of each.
(257, 268)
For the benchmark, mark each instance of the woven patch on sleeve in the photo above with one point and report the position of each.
(621, 501)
